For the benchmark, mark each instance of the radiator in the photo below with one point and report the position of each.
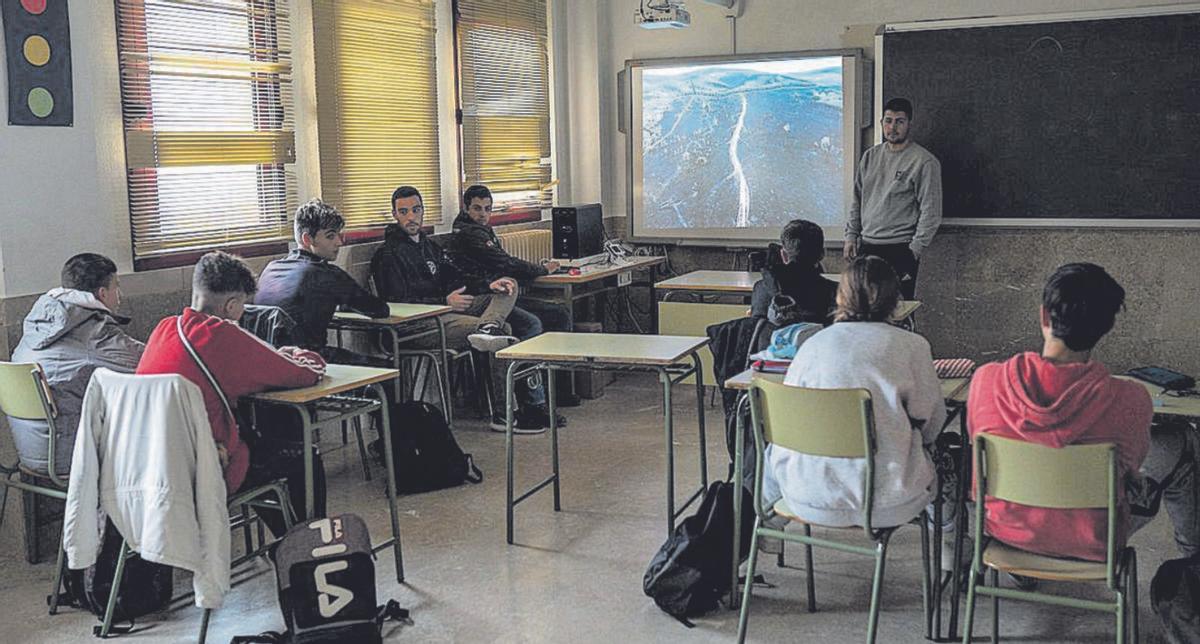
(529, 245)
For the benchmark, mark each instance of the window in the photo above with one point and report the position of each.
(206, 97)
(377, 108)
(504, 102)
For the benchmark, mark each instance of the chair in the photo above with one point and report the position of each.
(25, 394)
(1074, 477)
(834, 423)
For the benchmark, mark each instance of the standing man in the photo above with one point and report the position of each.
(897, 205)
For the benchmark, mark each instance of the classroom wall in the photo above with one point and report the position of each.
(981, 287)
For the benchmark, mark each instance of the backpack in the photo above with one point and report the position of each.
(1175, 596)
(424, 451)
(145, 586)
(325, 573)
(690, 572)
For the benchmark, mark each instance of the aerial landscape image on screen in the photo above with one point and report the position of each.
(742, 145)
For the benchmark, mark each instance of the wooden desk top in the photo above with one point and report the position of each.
(906, 308)
(605, 348)
(400, 313)
(600, 272)
(722, 281)
(952, 388)
(339, 378)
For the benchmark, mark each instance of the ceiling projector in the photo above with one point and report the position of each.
(668, 14)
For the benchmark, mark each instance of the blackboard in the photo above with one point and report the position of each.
(1089, 119)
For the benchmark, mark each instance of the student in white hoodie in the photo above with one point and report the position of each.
(70, 331)
(863, 350)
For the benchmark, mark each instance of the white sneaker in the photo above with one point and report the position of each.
(490, 338)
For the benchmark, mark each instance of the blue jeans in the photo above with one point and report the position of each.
(527, 320)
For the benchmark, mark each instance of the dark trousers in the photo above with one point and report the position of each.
(901, 257)
(277, 452)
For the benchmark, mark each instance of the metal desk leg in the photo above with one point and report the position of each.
(739, 450)
(389, 469)
(700, 420)
(568, 293)
(307, 426)
(397, 383)
(509, 404)
(443, 374)
(550, 401)
(669, 426)
(960, 521)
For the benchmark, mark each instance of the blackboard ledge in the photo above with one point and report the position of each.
(1072, 223)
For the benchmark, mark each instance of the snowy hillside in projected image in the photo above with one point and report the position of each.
(742, 145)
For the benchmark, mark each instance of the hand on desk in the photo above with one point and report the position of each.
(551, 266)
(310, 359)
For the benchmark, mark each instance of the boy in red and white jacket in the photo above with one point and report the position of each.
(242, 364)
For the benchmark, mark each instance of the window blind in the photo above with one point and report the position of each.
(504, 95)
(377, 107)
(206, 98)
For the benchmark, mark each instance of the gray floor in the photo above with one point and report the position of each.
(574, 575)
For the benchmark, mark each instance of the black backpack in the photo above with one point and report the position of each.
(424, 451)
(325, 573)
(1175, 596)
(690, 573)
(145, 586)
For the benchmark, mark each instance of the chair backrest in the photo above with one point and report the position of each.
(834, 423)
(270, 324)
(1064, 478)
(24, 392)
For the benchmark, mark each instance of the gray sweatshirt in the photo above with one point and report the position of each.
(897, 197)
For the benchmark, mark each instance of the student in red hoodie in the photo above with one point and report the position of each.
(1061, 397)
(241, 364)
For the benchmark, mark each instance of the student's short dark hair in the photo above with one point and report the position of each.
(314, 216)
(404, 192)
(475, 192)
(868, 291)
(220, 272)
(900, 105)
(1082, 301)
(804, 241)
(88, 272)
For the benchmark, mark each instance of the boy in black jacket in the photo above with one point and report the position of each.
(799, 274)
(410, 267)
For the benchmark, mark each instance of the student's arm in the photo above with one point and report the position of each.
(854, 221)
(926, 407)
(270, 368)
(765, 289)
(453, 278)
(478, 244)
(929, 198)
(358, 299)
(116, 350)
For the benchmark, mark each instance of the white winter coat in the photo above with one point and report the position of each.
(145, 457)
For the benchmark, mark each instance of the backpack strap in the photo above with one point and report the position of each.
(391, 611)
(474, 474)
(265, 637)
(203, 367)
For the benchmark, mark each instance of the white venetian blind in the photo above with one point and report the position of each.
(377, 106)
(206, 95)
(504, 94)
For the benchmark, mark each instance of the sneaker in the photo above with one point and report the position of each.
(490, 338)
(541, 416)
(522, 424)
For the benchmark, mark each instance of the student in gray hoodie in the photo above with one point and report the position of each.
(70, 331)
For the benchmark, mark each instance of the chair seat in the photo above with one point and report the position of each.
(782, 510)
(1022, 562)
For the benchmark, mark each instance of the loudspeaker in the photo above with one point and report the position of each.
(578, 231)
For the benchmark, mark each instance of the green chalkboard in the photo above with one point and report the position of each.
(1096, 119)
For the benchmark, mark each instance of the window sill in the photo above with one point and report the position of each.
(188, 258)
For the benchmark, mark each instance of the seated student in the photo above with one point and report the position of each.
(799, 274)
(1061, 397)
(411, 267)
(476, 250)
(242, 365)
(309, 288)
(70, 331)
(861, 349)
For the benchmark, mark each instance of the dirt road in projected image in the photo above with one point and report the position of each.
(742, 145)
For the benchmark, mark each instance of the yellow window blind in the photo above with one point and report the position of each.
(206, 95)
(504, 95)
(377, 107)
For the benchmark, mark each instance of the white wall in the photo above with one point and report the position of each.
(766, 25)
(64, 187)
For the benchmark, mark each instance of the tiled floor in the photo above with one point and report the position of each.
(576, 575)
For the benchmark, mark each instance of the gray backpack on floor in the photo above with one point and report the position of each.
(325, 572)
